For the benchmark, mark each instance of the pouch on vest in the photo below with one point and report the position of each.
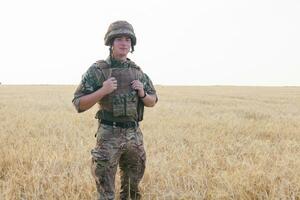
(125, 105)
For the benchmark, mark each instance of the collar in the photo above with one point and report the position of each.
(114, 63)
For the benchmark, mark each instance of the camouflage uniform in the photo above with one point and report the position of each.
(116, 145)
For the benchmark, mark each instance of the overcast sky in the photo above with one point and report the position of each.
(216, 42)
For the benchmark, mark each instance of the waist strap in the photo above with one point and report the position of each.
(120, 124)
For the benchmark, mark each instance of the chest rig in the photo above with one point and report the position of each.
(122, 104)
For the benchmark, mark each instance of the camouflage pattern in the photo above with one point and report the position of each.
(125, 105)
(93, 79)
(122, 103)
(119, 28)
(118, 146)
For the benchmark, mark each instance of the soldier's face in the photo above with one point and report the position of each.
(121, 46)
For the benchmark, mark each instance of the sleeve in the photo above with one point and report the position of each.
(91, 81)
(148, 86)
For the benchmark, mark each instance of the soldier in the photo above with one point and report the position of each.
(122, 90)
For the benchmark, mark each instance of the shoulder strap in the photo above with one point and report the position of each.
(138, 70)
(105, 68)
(133, 65)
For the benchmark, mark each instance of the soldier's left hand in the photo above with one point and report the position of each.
(139, 86)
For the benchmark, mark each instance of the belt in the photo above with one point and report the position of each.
(120, 124)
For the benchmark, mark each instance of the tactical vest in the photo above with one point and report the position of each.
(123, 104)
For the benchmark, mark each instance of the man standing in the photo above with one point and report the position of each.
(122, 90)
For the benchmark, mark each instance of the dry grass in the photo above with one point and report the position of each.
(201, 142)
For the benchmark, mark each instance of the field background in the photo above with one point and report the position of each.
(201, 142)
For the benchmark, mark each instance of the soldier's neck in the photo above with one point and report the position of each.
(119, 58)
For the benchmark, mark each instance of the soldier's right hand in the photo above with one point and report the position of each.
(110, 85)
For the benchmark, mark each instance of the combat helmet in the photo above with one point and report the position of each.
(119, 28)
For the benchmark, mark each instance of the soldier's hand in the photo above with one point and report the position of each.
(110, 85)
(139, 86)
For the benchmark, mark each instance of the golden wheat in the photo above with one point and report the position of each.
(201, 143)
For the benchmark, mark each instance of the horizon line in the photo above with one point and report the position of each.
(159, 85)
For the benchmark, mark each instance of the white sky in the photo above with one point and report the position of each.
(216, 42)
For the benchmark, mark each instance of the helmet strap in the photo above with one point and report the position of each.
(110, 50)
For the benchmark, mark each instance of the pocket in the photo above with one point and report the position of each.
(135, 136)
(104, 133)
(125, 105)
(131, 106)
(118, 102)
(140, 137)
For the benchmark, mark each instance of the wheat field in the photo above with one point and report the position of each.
(212, 142)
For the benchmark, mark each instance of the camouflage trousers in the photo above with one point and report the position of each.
(118, 146)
